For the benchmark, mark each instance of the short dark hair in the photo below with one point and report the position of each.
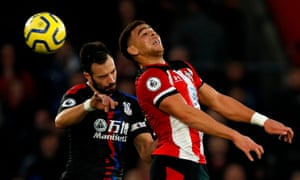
(93, 52)
(125, 35)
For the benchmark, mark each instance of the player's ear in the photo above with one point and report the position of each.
(87, 76)
(132, 50)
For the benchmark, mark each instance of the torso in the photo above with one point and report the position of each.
(98, 143)
(174, 137)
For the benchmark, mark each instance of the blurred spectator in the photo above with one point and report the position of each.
(166, 13)
(43, 122)
(55, 75)
(14, 76)
(234, 171)
(76, 78)
(127, 11)
(126, 85)
(17, 97)
(205, 32)
(230, 15)
(46, 162)
(217, 150)
(287, 104)
(217, 155)
(40, 141)
(201, 35)
(179, 53)
(237, 81)
(139, 172)
(286, 108)
(125, 68)
(295, 175)
(67, 59)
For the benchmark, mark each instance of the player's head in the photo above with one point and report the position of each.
(138, 39)
(98, 66)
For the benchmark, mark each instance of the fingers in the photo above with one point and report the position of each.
(258, 150)
(250, 148)
(290, 135)
(248, 154)
(283, 138)
(287, 135)
(106, 102)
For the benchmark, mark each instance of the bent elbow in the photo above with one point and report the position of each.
(59, 126)
(59, 122)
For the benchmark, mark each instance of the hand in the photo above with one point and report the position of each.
(101, 101)
(277, 128)
(247, 145)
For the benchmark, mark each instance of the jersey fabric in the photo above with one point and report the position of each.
(158, 81)
(171, 168)
(98, 144)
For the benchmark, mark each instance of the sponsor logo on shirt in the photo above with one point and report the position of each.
(115, 130)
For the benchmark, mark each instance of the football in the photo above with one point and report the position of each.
(44, 33)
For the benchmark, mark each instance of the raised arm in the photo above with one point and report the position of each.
(198, 119)
(74, 115)
(236, 111)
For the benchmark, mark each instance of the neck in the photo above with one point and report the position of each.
(151, 60)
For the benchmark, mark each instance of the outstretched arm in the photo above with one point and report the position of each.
(74, 115)
(236, 111)
(197, 119)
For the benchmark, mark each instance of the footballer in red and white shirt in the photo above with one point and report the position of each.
(158, 81)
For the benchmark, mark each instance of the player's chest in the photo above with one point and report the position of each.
(117, 121)
(182, 80)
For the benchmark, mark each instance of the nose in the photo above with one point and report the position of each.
(111, 78)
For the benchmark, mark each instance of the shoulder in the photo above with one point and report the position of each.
(128, 101)
(178, 64)
(77, 88)
(181, 64)
(127, 96)
(152, 70)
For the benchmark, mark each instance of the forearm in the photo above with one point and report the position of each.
(196, 118)
(201, 121)
(145, 145)
(233, 109)
(70, 116)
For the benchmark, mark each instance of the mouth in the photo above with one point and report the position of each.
(111, 87)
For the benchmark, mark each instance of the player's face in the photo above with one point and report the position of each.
(145, 41)
(104, 76)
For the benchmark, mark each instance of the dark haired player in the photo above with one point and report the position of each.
(100, 121)
(170, 94)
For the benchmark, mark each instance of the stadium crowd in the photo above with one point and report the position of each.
(215, 36)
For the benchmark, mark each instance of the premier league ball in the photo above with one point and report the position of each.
(44, 33)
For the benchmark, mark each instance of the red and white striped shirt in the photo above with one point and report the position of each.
(153, 84)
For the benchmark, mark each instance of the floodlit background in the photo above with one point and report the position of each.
(248, 49)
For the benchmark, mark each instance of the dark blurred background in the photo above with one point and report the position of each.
(248, 49)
